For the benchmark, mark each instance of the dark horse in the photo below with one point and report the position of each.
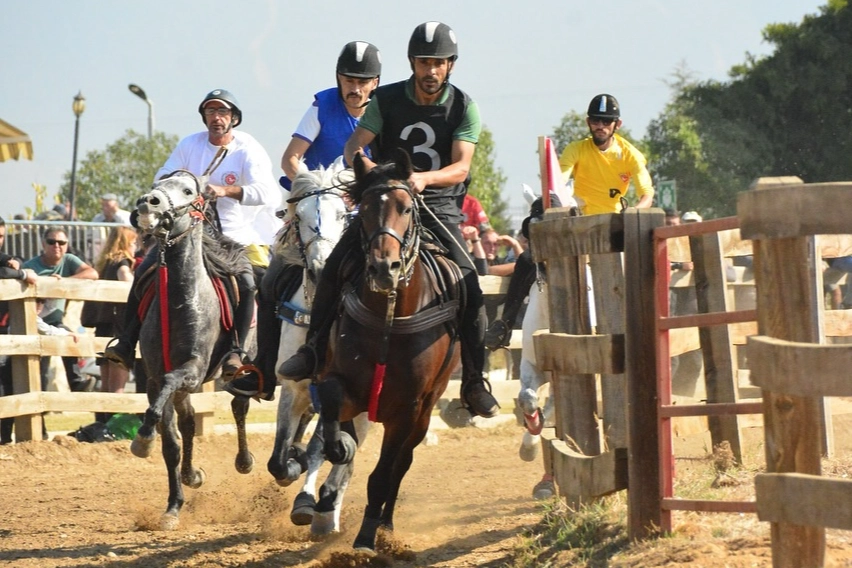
(183, 338)
(395, 343)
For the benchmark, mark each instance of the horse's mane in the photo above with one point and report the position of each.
(223, 256)
(334, 176)
(376, 176)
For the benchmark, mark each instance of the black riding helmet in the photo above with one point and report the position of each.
(226, 97)
(360, 59)
(604, 106)
(433, 39)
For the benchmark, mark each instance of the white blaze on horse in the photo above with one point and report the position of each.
(184, 336)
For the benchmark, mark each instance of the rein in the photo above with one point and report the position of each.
(195, 210)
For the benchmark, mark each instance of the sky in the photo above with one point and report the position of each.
(527, 64)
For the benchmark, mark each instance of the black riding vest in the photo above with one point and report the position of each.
(426, 133)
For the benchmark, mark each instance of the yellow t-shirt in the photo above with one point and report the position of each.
(602, 178)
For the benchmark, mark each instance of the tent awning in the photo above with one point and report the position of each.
(14, 143)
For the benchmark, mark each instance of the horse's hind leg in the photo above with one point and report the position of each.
(339, 445)
(244, 461)
(189, 475)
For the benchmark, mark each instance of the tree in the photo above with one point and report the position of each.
(487, 182)
(126, 168)
(787, 114)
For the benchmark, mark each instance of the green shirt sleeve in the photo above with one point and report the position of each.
(372, 119)
(471, 125)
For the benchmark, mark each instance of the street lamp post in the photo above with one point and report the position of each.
(78, 107)
(139, 92)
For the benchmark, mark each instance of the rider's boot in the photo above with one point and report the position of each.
(309, 359)
(242, 326)
(475, 389)
(268, 332)
(499, 333)
(122, 349)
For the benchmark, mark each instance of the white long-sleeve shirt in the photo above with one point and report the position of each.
(252, 220)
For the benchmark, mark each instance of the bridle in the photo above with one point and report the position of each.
(409, 241)
(316, 229)
(194, 208)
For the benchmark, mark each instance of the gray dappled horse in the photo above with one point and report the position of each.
(182, 339)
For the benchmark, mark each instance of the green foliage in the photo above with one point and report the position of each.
(585, 537)
(126, 167)
(487, 183)
(787, 114)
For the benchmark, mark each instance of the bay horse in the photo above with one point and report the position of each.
(318, 213)
(395, 342)
(183, 339)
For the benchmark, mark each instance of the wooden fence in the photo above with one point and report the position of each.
(790, 362)
(26, 347)
(609, 440)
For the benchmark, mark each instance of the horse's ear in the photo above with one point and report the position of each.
(359, 166)
(403, 163)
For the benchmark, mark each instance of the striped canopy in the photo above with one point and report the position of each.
(14, 143)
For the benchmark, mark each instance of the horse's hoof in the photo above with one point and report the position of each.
(529, 447)
(544, 489)
(197, 480)
(431, 439)
(303, 509)
(169, 522)
(343, 451)
(365, 550)
(244, 465)
(141, 447)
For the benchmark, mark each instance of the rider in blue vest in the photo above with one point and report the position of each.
(318, 141)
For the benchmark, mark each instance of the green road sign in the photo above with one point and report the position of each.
(667, 194)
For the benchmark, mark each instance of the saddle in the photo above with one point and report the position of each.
(224, 285)
(446, 282)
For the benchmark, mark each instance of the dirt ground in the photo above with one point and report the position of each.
(465, 502)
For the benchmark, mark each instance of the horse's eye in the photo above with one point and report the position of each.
(188, 191)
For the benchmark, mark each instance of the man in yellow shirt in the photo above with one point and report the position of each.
(603, 164)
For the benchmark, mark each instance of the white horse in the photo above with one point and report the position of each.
(318, 214)
(532, 378)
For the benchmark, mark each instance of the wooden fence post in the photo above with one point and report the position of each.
(644, 494)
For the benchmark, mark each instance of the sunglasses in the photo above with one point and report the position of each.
(52, 242)
(599, 120)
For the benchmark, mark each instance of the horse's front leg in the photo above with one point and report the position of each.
(326, 518)
(339, 446)
(244, 461)
(189, 475)
(159, 393)
(171, 456)
(287, 461)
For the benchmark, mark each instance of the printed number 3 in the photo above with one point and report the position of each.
(426, 147)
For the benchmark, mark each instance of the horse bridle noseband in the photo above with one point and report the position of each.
(409, 242)
(318, 236)
(174, 212)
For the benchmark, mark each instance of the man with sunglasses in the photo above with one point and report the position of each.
(56, 261)
(603, 166)
(604, 163)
